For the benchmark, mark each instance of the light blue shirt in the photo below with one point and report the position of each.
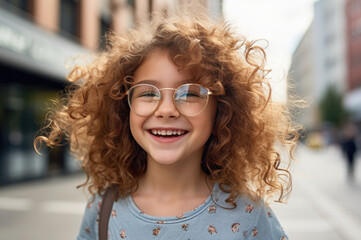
(249, 220)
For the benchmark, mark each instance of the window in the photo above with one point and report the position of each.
(150, 7)
(104, 27)
(330, 62)
(354, 8)
(356, 29)
(131, 3)
(21, 4)
(329, 39)
(69, 20)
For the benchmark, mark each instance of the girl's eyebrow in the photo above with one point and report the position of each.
(156, 83)
(148, 81)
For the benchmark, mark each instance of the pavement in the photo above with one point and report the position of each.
(45, 210)
(323, 204)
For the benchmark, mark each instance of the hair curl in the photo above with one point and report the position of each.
(241, 152)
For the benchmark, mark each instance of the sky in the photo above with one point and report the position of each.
(281, 22)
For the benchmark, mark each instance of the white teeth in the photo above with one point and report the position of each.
(167, 132)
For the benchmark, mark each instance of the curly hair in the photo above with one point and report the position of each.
(241, 153)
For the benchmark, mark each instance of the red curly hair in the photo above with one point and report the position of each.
(241, 152)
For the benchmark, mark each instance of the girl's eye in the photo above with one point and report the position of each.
(148, 94)
(188, 94)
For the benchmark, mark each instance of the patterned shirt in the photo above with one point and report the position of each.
(211, 220)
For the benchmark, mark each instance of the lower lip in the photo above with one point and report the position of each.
(167, 139)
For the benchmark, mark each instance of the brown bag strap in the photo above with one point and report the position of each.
(105, 211)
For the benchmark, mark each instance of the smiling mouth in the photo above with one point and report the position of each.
(167, 133)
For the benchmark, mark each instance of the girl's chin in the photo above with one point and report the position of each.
(165, 159)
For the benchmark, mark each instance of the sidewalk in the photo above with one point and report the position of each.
(323, 205)
(42, 210)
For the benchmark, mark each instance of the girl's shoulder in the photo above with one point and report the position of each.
(251, 217)
(89, 227)
(243, 201)
(90, 223)
(244, 207)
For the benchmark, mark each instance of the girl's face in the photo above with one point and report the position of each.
(159, 70)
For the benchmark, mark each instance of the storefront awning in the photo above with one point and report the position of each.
(352, 103)
(26, 46)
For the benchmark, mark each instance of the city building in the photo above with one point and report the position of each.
(320, 58)
(330, 45)
(301, 78)
(353, 35)
(37, 40)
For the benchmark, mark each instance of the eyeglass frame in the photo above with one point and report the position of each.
(161, 97)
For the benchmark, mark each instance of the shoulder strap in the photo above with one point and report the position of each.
(105, 211)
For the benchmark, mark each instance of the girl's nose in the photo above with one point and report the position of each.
(166, 108)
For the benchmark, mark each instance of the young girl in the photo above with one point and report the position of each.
(179, 118)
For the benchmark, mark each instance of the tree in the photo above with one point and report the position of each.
(331, 107)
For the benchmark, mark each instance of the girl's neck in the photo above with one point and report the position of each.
(173, 181)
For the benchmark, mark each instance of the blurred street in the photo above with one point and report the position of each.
(323, 205)
(313, 53)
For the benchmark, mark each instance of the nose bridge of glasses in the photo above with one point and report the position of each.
(170, 95)
(167, 98)
(166, 103)
(162, 89)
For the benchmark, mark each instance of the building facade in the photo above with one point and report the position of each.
(301, 78)
(353, 36)
(320, 58)
(330, 45)
(37, 38)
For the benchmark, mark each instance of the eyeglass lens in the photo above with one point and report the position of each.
(190, 99)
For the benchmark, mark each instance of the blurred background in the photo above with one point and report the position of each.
(314, 51)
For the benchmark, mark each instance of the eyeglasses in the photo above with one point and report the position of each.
(189, 99)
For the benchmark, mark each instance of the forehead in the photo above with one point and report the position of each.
(158, 69)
